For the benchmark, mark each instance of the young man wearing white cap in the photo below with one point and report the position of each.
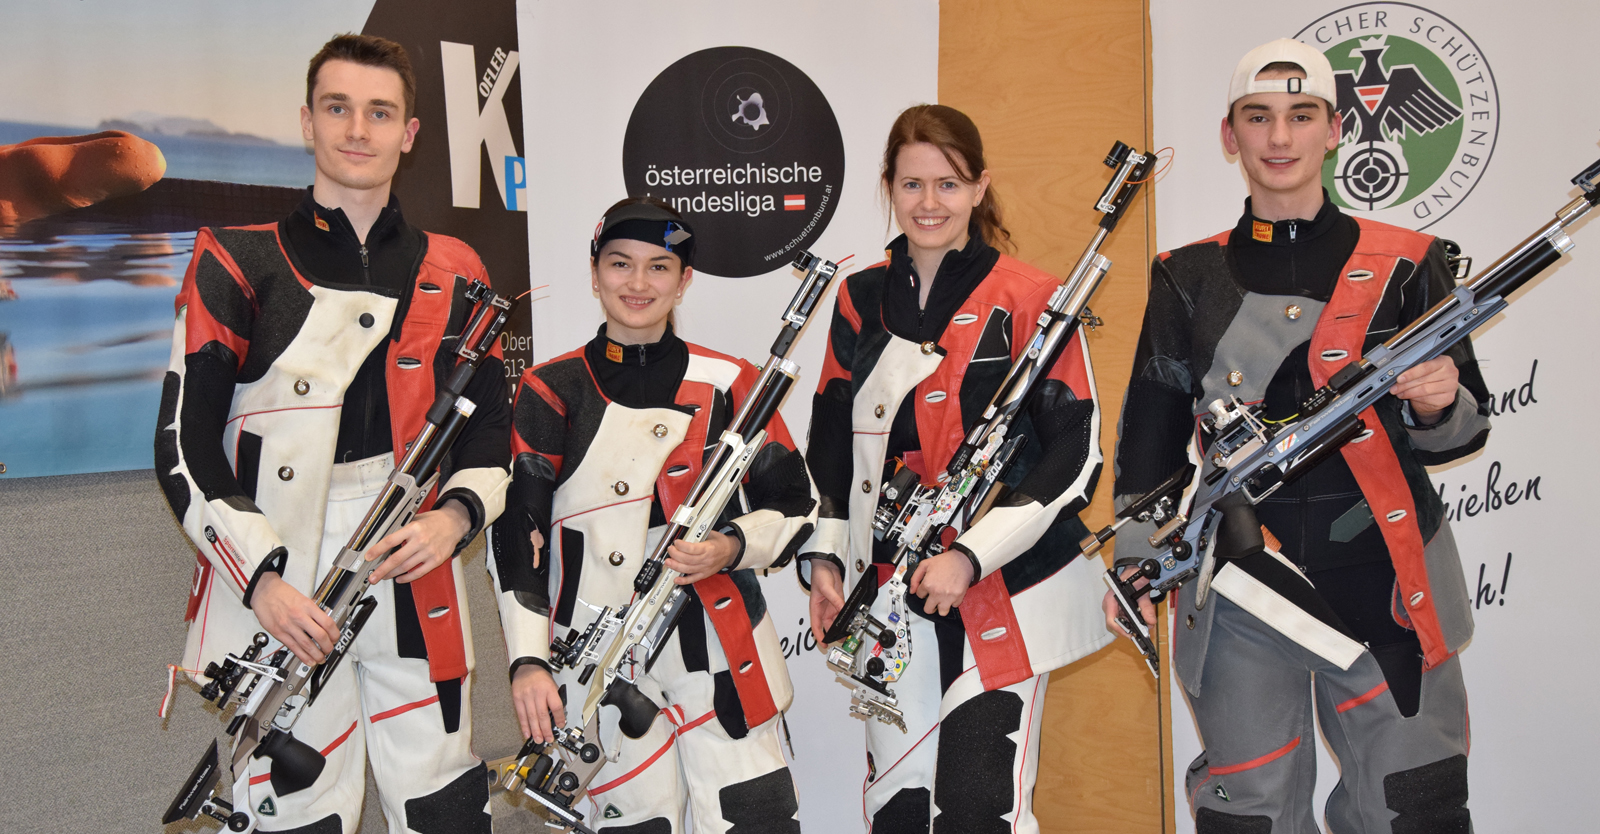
(1363, 604)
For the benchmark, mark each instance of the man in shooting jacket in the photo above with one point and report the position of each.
(1360, 589)
(305, 356)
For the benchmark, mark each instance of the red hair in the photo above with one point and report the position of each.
(949, 130)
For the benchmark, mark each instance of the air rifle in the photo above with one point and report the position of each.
(620, 642)
(272, 686)
(867, 651)
(1247, 459)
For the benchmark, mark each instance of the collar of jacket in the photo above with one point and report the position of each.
(334, 223)
(602, 349)
(959, 273)
(1250, 230)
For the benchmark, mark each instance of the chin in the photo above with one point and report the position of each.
(941, 239)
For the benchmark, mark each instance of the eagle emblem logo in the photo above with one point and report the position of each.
(1379, 110)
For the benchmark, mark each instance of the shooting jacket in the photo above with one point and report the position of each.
(262, 354)
(1033, 606)
(1207, 336)
(585, 474)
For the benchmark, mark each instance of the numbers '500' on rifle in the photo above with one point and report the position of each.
(1206, 510)
(271, 685)
(614, 648)
(868, 653)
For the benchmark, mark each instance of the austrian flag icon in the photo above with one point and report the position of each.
(794, 202)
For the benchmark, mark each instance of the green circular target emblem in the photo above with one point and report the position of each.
(1419, 111)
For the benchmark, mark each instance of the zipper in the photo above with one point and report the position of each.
(366, 277)
(1292, 228)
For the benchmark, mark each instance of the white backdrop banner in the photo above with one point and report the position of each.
(764, 124)
(1520, 85)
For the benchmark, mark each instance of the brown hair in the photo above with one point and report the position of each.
(949, 130)
(1284, 66)
(368, 51)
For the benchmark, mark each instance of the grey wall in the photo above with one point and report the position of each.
(95, 577)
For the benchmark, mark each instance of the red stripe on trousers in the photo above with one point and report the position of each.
(1257, 762)
(1362, 699)
(390, 713)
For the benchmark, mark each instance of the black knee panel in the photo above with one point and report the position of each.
(1207, 821)
(972, 784)
(907, 812)
(1431, 799)
(760, 805)
(327, 825)
(456, 808)
(654, 825)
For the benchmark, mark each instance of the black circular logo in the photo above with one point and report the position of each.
(746, 147)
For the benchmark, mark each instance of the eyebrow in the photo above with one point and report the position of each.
(345, 99)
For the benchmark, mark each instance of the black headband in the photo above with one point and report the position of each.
(648, 223)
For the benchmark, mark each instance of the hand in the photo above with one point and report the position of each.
(538, 701)
(1429, 387)
(1147, 609)
(827, 596)
(426, 543)
(536, 539)
(698, 560)
(293, 619)
(943, 581)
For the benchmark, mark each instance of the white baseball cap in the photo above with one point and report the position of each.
(1319, 73)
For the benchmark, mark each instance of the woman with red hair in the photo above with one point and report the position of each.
(918, 346)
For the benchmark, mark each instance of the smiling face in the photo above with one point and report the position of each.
(639, 284)
(933, 201)
(1280, 139)
(357, 126)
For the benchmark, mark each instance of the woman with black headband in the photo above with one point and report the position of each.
(918, 346)
(606, 437)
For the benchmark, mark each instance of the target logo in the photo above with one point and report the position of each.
(1419, 111)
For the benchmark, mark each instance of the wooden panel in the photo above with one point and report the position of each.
(1052, 85)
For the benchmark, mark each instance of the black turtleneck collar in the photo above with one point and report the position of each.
(1285, 232)
(638, 376)
(959, 274)
(1293, 257)
(324, 247)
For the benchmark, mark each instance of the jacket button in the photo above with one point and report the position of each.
(285, 473)
(1189, 621)
(1416, 599)
(1292, 312)
(366, 320)
(1235, 378)
(878, 412)
(866, 486)
(616, 558)
(861, 567)
(660, 430)
(620, 487)
(928, 348)
(302, 387)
